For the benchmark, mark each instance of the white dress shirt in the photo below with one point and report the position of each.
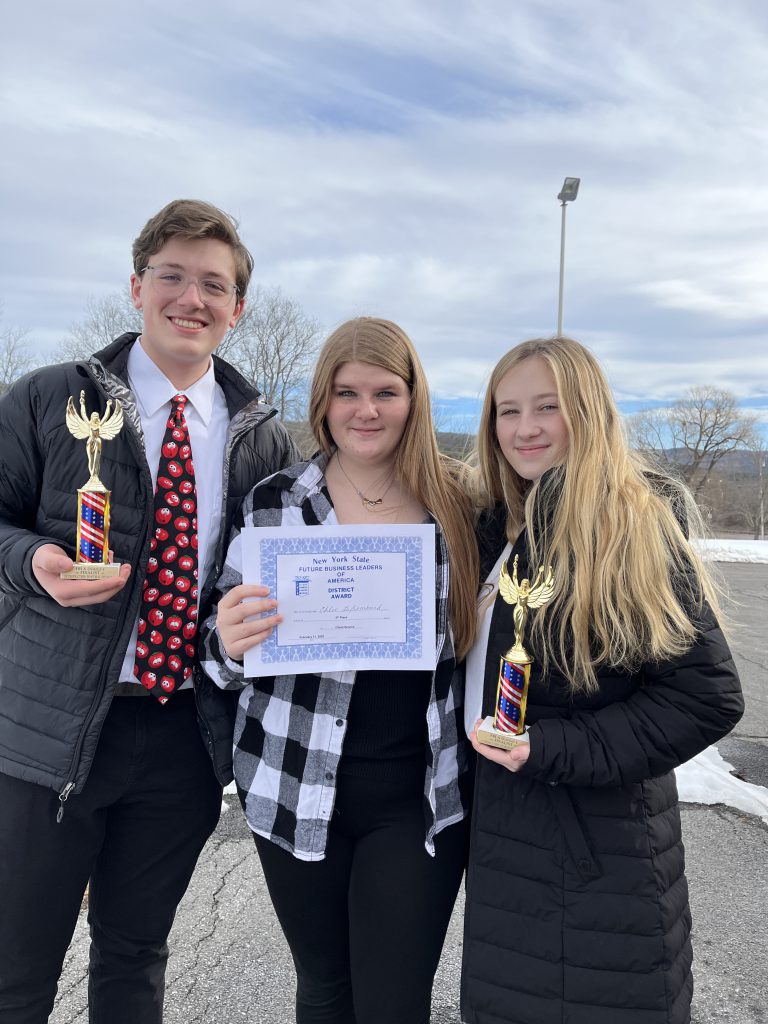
(207, 419)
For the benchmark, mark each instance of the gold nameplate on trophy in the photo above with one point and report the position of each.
(92, 561)
(506, 727)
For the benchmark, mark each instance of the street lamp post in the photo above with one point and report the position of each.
(569, 192)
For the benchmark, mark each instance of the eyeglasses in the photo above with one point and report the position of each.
(172, 283)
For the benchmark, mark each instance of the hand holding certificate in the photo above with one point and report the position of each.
(246, 615)
(350, 597)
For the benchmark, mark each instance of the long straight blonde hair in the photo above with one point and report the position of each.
(630, 585)
(428, 475)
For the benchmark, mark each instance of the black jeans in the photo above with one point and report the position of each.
(150, 803)
(366, 925)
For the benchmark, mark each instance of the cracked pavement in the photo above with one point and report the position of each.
(229, 962)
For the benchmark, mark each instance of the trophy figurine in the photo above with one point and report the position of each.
(92, 561)
(506, 727)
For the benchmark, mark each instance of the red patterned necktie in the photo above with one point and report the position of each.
(165, 648)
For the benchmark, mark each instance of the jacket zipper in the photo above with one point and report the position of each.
(62, 800)
(70, 784)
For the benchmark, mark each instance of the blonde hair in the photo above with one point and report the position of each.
(428, 475)
(630, 583)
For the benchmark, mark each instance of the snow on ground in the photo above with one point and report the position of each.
(706, 779)
(716, 550)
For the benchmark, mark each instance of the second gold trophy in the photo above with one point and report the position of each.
(506, 727)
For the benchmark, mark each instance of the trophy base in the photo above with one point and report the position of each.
(91, 571)
(496, 738)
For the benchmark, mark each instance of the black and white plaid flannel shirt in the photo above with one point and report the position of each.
(290, 729)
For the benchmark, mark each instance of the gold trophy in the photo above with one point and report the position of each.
(506, 727)
(92, 561)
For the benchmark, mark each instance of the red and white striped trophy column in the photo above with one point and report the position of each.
(92, 559)
(506, 727)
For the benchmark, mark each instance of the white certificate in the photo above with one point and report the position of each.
(351, 597)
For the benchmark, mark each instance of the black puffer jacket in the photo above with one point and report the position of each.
(577, 903)
(59, 666)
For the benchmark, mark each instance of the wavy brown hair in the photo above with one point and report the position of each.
(192, 219)
(630, 584)
(422, 469)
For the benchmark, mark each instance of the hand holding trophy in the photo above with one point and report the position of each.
(506, 728)
(92, 561)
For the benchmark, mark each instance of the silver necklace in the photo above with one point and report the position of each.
(370, 503)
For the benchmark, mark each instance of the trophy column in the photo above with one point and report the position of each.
(506, 727)
(92, 560)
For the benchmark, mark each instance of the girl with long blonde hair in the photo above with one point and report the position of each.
(577, 866)
(356, 784)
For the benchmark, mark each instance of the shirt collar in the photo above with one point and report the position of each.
(153, 390)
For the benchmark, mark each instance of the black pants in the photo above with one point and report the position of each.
(366, 925)
(136, 830)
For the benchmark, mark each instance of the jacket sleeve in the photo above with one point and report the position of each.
(680, 708)
(261, 507)
(283, 450)
(21, 471)
(217, 665)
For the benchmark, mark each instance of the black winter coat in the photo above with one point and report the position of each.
(577, 903)
(59, 666)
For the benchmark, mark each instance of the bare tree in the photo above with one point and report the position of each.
(695, 433)
(648, 431)
(274, 345)
(15, 358)
(106, 318)
(747, 497)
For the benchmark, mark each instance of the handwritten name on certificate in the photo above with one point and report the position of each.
(352, 597)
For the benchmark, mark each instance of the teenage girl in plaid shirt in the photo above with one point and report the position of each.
(356, 785)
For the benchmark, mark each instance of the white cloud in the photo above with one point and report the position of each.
(404, 159)
(740, 299)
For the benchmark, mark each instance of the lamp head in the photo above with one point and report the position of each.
(570, 190)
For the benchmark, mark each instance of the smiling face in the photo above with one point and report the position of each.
(367, 413)
(530, 427)
(180, 334)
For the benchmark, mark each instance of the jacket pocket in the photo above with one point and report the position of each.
(8, 611)
(575, 841)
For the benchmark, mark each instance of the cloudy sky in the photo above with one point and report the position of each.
(403, 159)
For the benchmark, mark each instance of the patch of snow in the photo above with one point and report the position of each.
(706, 779)
(717, 550)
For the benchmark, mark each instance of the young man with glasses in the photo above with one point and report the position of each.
(113, 745)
